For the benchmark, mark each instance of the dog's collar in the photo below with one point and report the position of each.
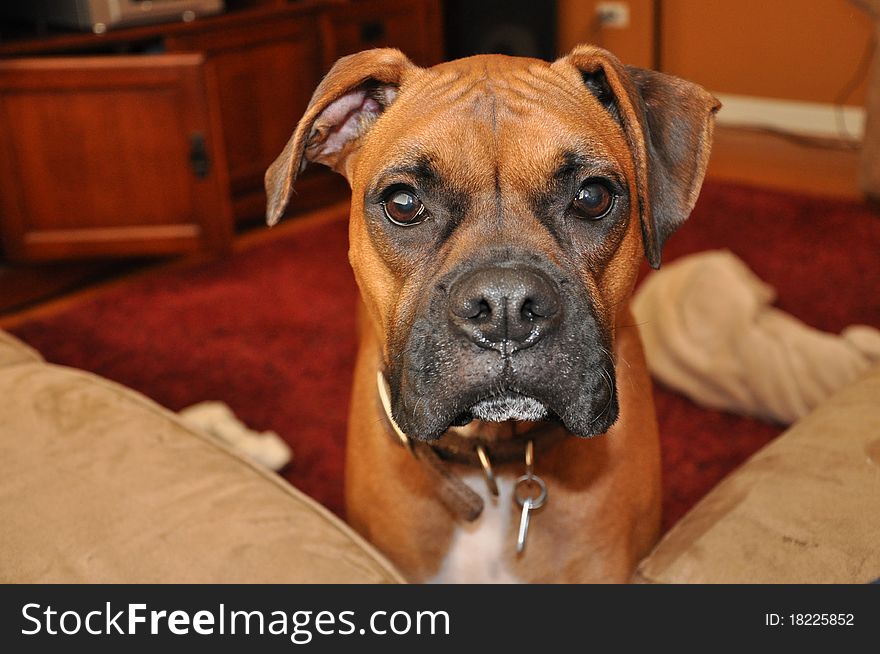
(458, 448)
(468, 450)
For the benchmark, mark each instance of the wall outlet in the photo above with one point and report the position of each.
(613, 14)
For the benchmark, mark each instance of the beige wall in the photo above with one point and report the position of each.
(793, 49)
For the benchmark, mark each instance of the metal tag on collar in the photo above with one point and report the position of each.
(385, 398)
(530, 493)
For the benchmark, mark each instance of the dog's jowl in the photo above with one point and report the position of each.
(502, 427)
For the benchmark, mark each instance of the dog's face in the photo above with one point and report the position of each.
(500, 209)
(493, 217)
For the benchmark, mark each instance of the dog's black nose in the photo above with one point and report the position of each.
(505, 309)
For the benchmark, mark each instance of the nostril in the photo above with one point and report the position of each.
(473, 309)
(527, 311)
(537, 308)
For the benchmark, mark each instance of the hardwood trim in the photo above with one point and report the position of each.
(113, 233)
(160, 63)
(43, 247)
(338, 211)
(26, 285)
(244, 34)
(217, 233)
(71, 43)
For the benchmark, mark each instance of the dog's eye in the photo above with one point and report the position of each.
(593, 200)
(404, 208)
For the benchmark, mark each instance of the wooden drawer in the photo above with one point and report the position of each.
(413, 26)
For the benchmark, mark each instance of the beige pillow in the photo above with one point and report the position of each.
(13, 351)
(99, 484)
(804, 509)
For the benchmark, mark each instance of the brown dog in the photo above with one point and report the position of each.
(500, 209)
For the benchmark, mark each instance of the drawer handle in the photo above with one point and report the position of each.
(372, 31)
(198, 155)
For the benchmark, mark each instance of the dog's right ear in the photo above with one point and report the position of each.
(347, 102)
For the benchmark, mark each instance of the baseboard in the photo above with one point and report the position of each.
(809, 118)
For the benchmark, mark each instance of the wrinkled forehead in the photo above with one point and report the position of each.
(498, 120)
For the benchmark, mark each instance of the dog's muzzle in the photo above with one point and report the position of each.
(510, 336)
(506, 310)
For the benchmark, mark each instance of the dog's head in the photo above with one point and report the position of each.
(500, 209)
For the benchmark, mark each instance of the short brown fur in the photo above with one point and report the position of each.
(494, 127)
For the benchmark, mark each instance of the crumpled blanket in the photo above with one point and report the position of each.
(218, 421)
(710, 332)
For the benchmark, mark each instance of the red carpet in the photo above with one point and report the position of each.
(270, 330)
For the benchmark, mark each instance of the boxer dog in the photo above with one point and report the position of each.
(502, 426)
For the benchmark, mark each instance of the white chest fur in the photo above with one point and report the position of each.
(479, 548)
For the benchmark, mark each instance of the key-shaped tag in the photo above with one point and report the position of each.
(525, 496)
(523, 526)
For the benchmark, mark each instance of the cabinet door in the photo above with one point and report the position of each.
(110, 156)
(266, 65)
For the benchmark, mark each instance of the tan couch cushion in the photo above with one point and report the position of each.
(13, 351)
(805, 508)
(99, 484)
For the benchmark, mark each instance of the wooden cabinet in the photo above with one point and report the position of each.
(108, 154)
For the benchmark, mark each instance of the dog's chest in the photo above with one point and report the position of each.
(479, 549)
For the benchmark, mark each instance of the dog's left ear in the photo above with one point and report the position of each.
(668, 124)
